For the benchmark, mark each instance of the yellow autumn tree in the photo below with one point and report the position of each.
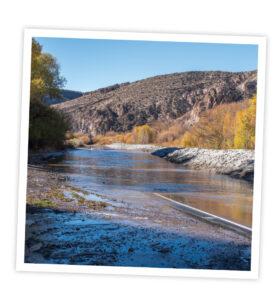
(228, 131)
(45, 76)
(244, 135)
(227, 126)
(208, 132)
(222, 127)
(142, 134)
(189, 140)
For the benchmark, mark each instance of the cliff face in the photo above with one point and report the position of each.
(178, 96)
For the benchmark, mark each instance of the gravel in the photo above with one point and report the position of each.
(236, 163)
(137, 147)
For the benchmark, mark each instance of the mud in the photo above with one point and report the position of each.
(58, 237)
(100, 228)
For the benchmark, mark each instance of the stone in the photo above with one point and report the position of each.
(179, 97)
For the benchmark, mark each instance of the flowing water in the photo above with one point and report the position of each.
(134, 175)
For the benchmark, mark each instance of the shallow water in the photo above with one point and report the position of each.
(127, 174)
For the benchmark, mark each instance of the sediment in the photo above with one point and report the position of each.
(134, 147)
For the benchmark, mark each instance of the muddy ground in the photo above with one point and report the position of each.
(68, 225)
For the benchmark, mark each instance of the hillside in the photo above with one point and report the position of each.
(67, 95)
(178, 96)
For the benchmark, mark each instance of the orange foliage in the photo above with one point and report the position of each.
(219, 128)
(216, 128)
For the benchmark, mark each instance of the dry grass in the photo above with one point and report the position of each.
(76, 139)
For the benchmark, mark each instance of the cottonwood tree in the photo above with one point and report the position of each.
(47, 126)
(227, 126)
(245, 127)
(45, 75)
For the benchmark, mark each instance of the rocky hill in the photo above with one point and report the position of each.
(67, 95)
(179, 96)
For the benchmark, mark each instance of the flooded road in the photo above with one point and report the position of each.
(135, 176)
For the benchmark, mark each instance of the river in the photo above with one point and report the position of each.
(126, 174)
(112, 215)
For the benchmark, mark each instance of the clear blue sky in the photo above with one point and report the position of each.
(89, 64)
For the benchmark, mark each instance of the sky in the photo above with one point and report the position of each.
(89, 64)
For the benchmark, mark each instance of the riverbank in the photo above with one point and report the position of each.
(235, 163)
(134, 147)
(72, 220)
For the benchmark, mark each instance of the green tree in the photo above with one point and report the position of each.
(47, 126)
(45, 76)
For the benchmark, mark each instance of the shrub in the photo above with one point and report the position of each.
(68, 135)
(47, 127)
(85, 139)
(74, 143)
(226, 126)
(128, 138)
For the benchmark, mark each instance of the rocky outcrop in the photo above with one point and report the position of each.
(235, 163)
(178, 96)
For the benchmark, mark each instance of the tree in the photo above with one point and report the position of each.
(142, 134)
(45, 76)
(226, 126)
(244, 136)
(47, 126)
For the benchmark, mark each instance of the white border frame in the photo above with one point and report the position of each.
(260, 41)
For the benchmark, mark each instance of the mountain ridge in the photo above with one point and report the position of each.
(177, 96)
(66, 95)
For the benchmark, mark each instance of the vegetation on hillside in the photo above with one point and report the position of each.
(47, 126)
(227, 126)
(244, 134)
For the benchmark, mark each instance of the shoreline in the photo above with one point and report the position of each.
(75, 232)
(236, 163)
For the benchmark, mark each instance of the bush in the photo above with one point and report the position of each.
(68, 135)
(226, 126)
(74, 143)
(85, 139)
(47, 127)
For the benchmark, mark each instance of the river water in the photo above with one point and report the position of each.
(133, 175)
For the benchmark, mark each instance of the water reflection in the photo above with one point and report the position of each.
(137, 171)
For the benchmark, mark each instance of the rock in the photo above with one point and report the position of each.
(164, 250)
(178, 96)
(35, 247)
(235, 163)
